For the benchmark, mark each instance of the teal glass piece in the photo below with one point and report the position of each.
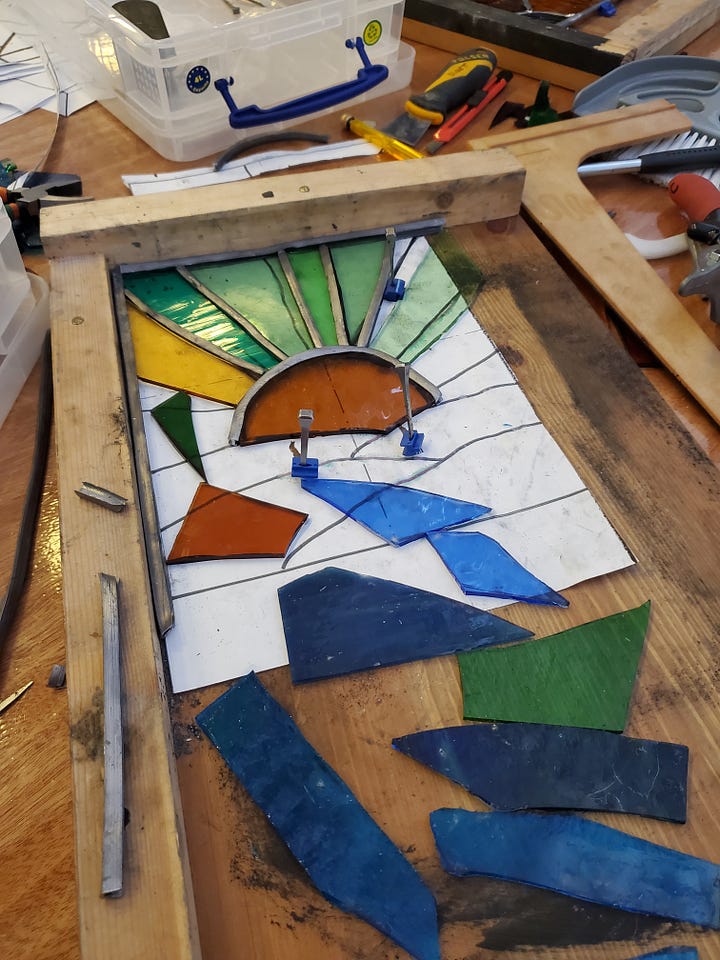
(167, 293)
(174, 416)
(431, 305)
(310, 273)
(258, 290)
(357, 266)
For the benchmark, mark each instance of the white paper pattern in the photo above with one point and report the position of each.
(483, 443)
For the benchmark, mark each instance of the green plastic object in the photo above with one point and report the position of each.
(357, 266)
(310, 273)
(432, 304)
(174, 416)
(167, 293)
(258, 290)
(541, 112)
(582, 677)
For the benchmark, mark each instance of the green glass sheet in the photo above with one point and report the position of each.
(174, 416)
(309, 270)
(166, 292)
(431, 305)
(357, 266)
(258, 290)
(582, 677)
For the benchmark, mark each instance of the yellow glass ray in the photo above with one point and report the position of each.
(170, 361)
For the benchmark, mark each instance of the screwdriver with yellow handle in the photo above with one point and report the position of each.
(457, 82)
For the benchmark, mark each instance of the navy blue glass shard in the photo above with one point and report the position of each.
(337, 622)
(522, 766)
(581, 859)
(484, 568)
(670, 953)
(397, 514)
(345, 853)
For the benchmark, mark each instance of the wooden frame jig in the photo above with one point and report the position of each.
(156, 915)
(571, 58)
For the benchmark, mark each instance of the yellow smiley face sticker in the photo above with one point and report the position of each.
(372, 33)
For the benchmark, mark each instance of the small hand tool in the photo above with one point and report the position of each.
(459, 80)
(388, 144)
(9, 701)
(690, 159)
(699, 199)
(467, 113)
(23, 198)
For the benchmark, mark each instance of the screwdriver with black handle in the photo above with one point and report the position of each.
(455, 85)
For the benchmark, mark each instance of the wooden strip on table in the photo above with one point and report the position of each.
(567, 212)
(156, 914)
(281, 210)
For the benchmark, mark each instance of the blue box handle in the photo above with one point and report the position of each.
(368, 76)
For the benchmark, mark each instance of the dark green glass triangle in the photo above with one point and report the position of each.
(167, 293)
(258, 289)
(174, 415)
(582, 677)
(309, 270)
(357, 265)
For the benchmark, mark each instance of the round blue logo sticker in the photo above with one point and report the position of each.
(198, 79)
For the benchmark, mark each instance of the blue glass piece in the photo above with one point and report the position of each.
(522, 766)
(482, 567)
(337, 622)
(581, 859)
(346, 855)
(670, 953)
(397, 514)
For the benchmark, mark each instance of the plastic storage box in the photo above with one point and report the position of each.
(24, 318)
(275, 50)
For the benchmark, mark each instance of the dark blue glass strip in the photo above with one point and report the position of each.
(525, 766)
(347, 856)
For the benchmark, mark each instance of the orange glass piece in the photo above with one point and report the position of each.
(222, 525)
(350, 390)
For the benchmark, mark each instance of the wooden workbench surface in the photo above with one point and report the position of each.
(656, 487)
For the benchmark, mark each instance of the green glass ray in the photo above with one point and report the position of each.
(357, 265)
(166, 292)
(431, 305)
(309, 270)
(257, 289)
(582, 677)
(174, 416)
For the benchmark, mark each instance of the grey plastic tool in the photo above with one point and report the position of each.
(691, 83)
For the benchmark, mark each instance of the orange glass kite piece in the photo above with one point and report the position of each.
(223, 525)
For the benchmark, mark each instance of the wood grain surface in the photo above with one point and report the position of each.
(656, 487)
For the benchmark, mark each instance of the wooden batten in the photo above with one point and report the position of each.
(566, 211)
(155, 916)
(253, 214)
(568, 58)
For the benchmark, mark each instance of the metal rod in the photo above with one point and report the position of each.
(405, 381)
(386, 269)
(114, 810)
(334, 293)
(306, 418)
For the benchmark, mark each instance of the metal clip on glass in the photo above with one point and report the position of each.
(368, 76)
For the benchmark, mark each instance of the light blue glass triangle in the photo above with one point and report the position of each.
(484, 568)
(397, 514)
